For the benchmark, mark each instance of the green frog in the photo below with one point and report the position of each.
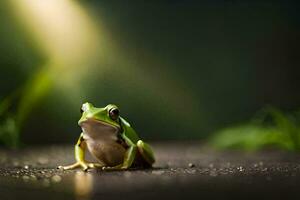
(111, 141)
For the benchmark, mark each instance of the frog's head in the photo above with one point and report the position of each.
(109, 115)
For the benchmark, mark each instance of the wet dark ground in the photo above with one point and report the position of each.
(182, 171)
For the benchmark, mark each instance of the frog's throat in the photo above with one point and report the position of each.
(100, 122)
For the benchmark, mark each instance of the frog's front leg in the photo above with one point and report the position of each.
(80, 148)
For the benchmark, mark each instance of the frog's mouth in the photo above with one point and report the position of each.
(96, 128)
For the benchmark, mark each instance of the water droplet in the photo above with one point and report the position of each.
(191, 171)
(240, 168)
(265, 169)
(158, 172)
(56, 178)
(33, 177)
(43, 160)
(191, 165)
(213, 173)
(16, 163)
(25, 178)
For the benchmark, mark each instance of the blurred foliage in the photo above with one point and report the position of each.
(271, 128)
(9, 132)
(178, 74)
(16, 106)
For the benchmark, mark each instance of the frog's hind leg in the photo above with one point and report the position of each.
(146, 152)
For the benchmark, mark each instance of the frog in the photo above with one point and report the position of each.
(110, 139)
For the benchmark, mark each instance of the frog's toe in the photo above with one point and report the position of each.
(73, 166)
(94, 165)
(118, 167)
(91, 165)
(106, 168)
(85, 169)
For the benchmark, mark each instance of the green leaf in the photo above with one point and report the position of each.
(9, 132)
(271, 128)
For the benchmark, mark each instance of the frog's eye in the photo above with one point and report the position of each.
(114, 113)
(81, 111)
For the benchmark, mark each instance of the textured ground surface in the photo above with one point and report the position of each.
(182, 171)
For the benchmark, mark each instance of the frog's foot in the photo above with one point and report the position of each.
(117, 167)
(84, 165)
(94, 165)
(67, 167)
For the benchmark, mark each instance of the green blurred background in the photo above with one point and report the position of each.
(178, 70)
